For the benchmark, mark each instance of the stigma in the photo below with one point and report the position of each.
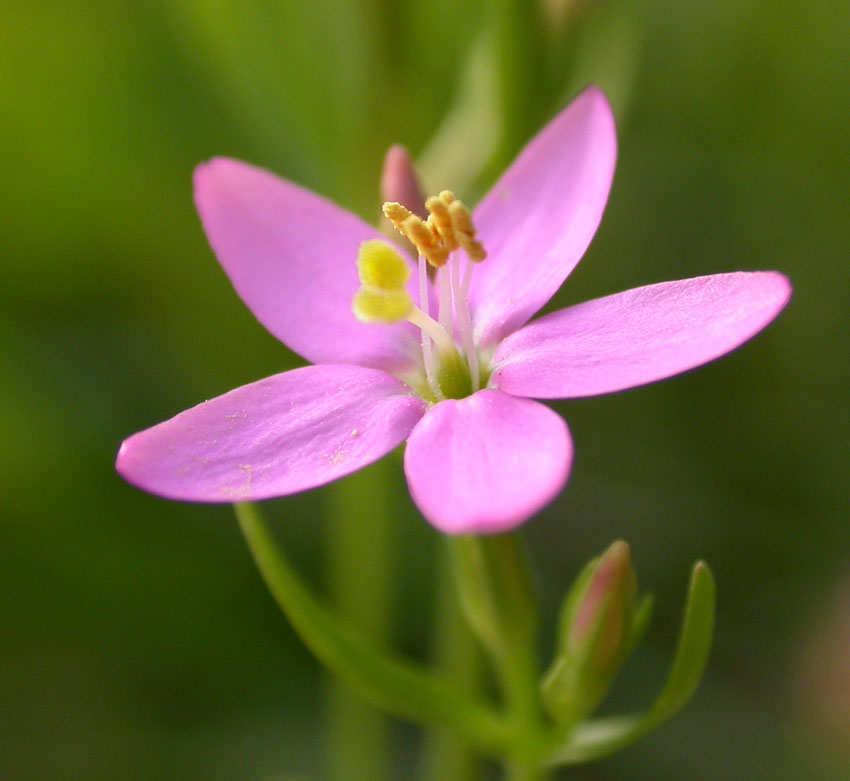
(447, 242)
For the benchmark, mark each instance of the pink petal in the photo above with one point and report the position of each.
(638, 336)
(539, 218)
(291, 256)
(280, 435)
(486, 463)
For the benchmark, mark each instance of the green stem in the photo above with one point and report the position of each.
(456, 652)
(517, 669)
(494, 584)
(387, 681)
(358, 736)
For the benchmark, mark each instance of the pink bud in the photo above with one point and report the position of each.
(597, 620)
(611, 589)
(399, 182)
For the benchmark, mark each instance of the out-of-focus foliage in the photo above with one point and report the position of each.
(137, 639)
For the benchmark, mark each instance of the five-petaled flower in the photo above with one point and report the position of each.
(481, 455)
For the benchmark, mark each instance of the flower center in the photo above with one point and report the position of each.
(451, 365)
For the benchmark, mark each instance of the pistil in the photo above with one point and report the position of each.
(427, 351)
(464, 320)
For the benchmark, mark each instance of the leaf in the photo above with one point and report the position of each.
(694, 646)
(387, 681)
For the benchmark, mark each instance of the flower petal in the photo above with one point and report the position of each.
(486, 463)
(638, 336)
(539, 218)
(291, 256)
(283, 434)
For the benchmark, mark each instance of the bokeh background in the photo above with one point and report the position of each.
(136, 638)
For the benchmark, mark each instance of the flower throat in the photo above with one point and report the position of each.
(451, 371)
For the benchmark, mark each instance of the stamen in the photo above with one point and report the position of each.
(440, 219)
(464, 322)
(467, 278)
(426, 240)
(464, 231)
(396, 214)
(418, 231)
(427, 344)
(451, 371)
(444, 313)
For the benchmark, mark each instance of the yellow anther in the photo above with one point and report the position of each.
(440, 222)
(464, 231)
(419, 232)
(449, 226)
(396, 214)
(381, 306)
(381, 267)
(426, 240)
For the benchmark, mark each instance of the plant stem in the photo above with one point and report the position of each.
(456, 652)
(384, 679)
(494, 585)
(358, 735)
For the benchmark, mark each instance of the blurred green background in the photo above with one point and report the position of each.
(137, 638)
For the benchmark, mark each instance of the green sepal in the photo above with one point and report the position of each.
(574, 596)
(641, 620)
(384, 679)
(599, 737)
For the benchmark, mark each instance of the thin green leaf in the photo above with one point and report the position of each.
(694, 646)
(387, 681)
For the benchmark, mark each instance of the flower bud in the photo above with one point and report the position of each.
(596, 634)
(399, 182)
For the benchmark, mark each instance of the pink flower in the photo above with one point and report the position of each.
(477, 460)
